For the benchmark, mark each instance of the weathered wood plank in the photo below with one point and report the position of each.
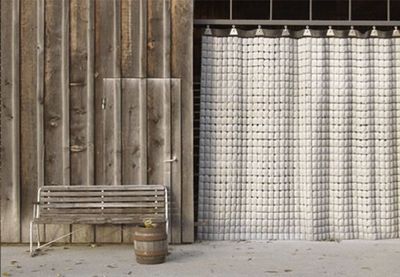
(55, 194)
(84, 233)
(82, 98)
(158, 188)
(112, 138)
(107, 66)
(116, 213)
(128, 232)
(10, 175)
(106, 199)
(28, 114)
(176, 170)
(40, 79)
(78, 89)
(158, 38)
(131, 147)
(90, 216)
(90, 125)
(40, 92)
(134, 141)
(61, 212)
(56, 114)
(100, 205)
(56, 105)
(155, 131)
(103, 68)
(181, 50)
(100, 220)
(143, 131)
(133, 38)
(168, 159)
(65, 93)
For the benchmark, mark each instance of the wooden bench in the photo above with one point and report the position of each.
(125, 204)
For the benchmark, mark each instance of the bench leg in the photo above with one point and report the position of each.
(47, 243)
(38, 235)
(30, 238)
(31, 250)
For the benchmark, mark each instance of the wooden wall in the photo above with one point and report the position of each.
(95, 92)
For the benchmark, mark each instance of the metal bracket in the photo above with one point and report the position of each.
(396, 32)
(174, 159)
(259, 31)
(352, 32)
(208, 30)
(374, 32)
(285, 31)
(233, 31)
(307, 32)
(330, 32)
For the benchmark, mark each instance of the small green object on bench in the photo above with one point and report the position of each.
(125, 204)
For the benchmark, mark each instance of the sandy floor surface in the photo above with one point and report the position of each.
(244, 258)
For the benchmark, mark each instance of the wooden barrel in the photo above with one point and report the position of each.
(150, 244)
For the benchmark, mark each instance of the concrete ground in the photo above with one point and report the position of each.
(244, 258)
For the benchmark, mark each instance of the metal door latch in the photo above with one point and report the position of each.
(174, 159)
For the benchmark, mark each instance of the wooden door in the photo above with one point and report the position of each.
(142, 140)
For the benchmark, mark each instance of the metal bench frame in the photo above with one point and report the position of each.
(37, 216)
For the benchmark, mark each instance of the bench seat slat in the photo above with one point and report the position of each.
(105, 188)
(129, 211)
(117, 215)
(100, 205)
(95, 219)
(57, 217)
(143, 199)
(89, 215)
(99, 193)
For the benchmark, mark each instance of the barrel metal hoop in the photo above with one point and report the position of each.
(150, 238)
(151, 253)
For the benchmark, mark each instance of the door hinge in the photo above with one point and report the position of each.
(103, 103)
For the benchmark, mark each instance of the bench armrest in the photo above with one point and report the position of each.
(166, 210)
(36, 204)
(36, 209)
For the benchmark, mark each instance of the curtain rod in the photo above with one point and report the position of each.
(274, 22)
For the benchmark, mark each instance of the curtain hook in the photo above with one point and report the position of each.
(352, 32)
(396, 32)
(307, 32)
(208, 30)
(374, 32)
(330, 32)
(285, 31)
(259, 31)
(233, 31)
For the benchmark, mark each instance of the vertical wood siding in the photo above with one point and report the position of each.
(182, 67)
(107, 66)
(10, 115)
(28, 152)
(82, 103)
(87, 99)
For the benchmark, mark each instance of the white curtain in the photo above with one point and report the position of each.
(299, 138)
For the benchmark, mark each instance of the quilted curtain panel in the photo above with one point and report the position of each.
(299, 138)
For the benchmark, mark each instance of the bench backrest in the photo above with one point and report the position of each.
(94, 204)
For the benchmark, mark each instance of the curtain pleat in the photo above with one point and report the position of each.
(299, 138)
